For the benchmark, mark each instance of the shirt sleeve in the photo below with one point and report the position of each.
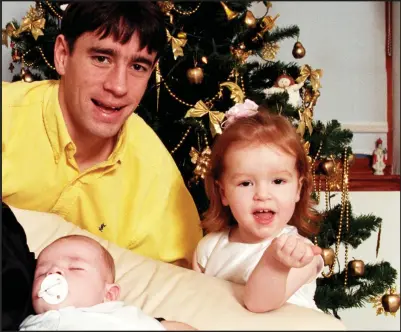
(172, 222)
(205, 248)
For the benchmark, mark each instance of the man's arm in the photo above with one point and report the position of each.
(286, 265)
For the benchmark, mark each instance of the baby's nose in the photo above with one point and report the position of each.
(55, 269)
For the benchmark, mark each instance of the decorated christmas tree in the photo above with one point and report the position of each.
(205, 69)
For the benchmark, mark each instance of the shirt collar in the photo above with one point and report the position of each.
(57, 131)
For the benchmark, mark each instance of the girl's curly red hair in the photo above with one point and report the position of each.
(262, 128)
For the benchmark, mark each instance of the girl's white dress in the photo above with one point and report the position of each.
(234, 261)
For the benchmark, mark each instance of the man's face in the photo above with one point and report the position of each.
(81, 264)
(102, 82)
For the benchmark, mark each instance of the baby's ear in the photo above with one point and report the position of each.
(112, 292)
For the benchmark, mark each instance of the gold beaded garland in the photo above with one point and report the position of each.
(53, 10)
(344, 211)
(41, 53)
(181, 141)
(188, 12)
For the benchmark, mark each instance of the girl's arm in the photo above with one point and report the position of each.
(286, 265)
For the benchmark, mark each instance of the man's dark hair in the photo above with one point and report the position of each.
(118, 19)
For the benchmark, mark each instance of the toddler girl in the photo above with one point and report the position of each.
(260, 211)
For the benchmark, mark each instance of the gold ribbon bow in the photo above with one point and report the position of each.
(176, 44)
(215, 117)
(305, 119)
(33, 22)
(313, 75)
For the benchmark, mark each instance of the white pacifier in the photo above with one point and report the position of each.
(54, 289)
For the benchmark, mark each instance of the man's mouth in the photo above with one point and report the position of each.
(107, 108)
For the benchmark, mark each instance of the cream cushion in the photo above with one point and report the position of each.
(175, 293)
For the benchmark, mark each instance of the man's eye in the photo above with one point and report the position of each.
(101, 59)
(278, 181)
(138, 67)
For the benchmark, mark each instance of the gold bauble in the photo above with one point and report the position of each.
(182, 35)
(250, 19)
(269, 51)
(195, 75)
(328, 256)
(240, 53)
(165, 6)
(351, 160)
(391, 302)
(27, 76)
(356, 268)
(298, 50)
(327, 167)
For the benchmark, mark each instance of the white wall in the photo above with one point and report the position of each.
(11, 10)
(346, 40)
(385, 205)
(396, 87)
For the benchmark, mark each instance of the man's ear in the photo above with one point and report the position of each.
(112, 292)
(223, 197)
(61, 53)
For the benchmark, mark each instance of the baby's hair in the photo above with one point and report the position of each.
(268, 129)
(108, 259)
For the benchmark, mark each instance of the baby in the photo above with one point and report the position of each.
(74, 289)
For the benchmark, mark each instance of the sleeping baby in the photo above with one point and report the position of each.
(74, 289)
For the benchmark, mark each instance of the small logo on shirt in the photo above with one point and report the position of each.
(101, 227)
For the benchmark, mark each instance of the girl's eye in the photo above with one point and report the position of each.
(245, 184)
(278, 181)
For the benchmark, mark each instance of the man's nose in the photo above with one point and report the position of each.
(116, 81)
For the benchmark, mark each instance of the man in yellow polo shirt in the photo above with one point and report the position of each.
(74, 147)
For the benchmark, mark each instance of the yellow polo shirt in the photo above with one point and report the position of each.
(136, 199)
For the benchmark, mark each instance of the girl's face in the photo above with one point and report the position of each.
(261, 186)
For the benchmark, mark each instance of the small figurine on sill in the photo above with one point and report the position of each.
(286, 83)
(379, 158)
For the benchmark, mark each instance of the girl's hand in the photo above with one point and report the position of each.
(292, 251)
